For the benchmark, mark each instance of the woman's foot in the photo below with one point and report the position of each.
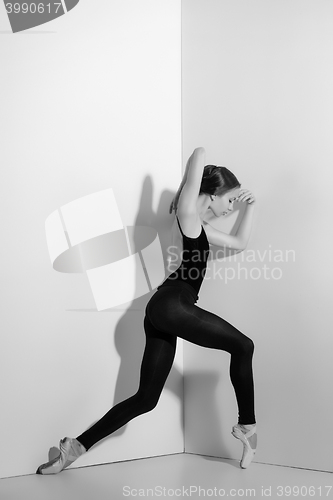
(70, 450)
(248, 435)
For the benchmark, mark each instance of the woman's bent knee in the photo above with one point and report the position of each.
(249, 345)
(147, 402)
(246, 346)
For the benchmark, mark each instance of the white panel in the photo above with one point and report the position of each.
(118, 283)
(264, 91)
(91, 216)
(55, 236)
(84, 94)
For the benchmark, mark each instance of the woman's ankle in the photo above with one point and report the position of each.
(248, 426)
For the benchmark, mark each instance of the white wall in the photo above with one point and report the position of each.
(89, 101)
(257, 94)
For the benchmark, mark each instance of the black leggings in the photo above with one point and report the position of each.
(171, 313)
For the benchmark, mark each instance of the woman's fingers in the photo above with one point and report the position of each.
(243, 195)
(246, 195)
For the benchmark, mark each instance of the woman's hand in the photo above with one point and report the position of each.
(246, 195)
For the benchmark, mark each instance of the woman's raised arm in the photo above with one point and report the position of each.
(190, 192)
(174, 203)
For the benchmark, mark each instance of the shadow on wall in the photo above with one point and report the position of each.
(129, 337)
(77, 253)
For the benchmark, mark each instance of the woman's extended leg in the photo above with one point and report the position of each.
(157, 360)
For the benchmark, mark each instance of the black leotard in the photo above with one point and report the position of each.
(171, 313)
(192, 269)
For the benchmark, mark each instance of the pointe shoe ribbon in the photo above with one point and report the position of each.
(248, 451)
(70, 450)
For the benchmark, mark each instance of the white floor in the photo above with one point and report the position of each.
(182, 475)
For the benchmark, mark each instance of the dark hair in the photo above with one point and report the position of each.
(217, 180)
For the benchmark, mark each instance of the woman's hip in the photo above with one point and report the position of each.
(169, 302)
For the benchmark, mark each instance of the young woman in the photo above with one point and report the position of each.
(171, 312)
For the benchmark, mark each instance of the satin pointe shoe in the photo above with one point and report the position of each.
(70, 450)
(248, 451)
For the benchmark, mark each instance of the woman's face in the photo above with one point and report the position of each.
(223, 205)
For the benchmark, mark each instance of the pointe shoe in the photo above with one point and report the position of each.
(248, 451)
(70, 450)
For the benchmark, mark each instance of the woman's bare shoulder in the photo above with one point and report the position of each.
(190, 224)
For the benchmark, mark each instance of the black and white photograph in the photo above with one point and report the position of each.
(166, 170)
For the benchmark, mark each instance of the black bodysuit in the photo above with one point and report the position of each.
(192, 269)
(170, 313)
